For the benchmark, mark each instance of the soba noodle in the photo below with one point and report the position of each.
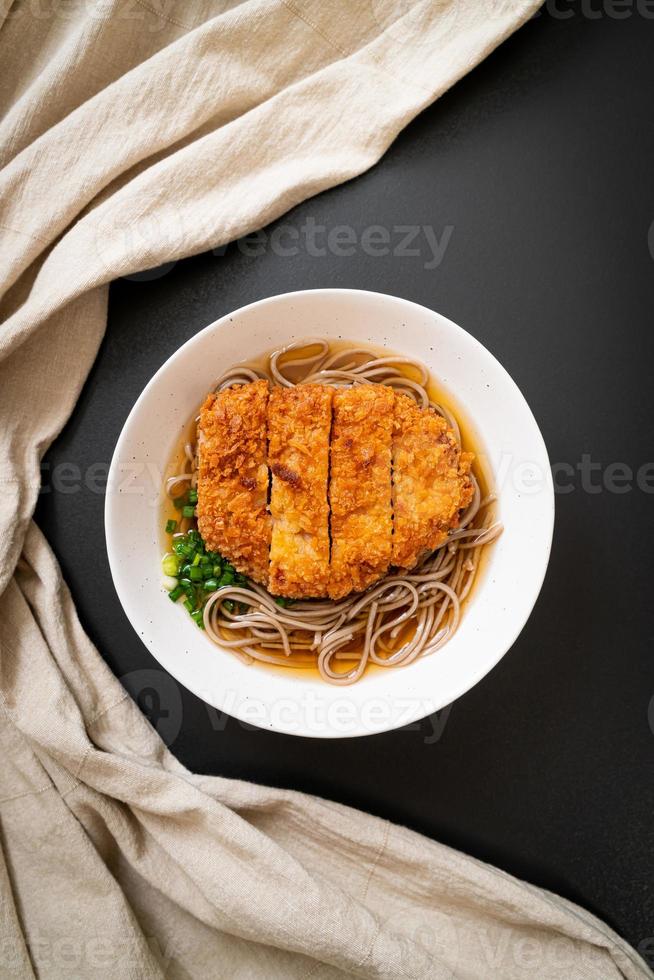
(406, 615)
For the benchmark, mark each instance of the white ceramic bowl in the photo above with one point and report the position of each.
(297, 702)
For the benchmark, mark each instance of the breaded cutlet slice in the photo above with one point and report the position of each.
(360, 487)
(299, 423)
(431, 481)
(233, 477)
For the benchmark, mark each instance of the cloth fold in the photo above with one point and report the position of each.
(134, 133)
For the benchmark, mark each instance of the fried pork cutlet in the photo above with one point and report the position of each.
(431, 481)
(299, 423)
(233, 477)
(385, 478)
(360, 487)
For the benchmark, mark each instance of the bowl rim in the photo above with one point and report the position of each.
(470, 680)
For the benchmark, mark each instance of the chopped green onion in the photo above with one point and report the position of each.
(281, 601)
(198, 617)
(170, 565)
(188, 511)
(179, 502)
(194, 571)
(192, 496)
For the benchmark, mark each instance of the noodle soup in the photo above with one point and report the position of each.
(404, 616)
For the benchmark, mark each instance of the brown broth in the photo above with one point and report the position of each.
(437, 393)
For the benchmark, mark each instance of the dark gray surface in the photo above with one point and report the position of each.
(541, 161)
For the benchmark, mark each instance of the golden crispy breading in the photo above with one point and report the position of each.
(360, 487)
(431, 482)
(233, 477)
(375, 521)
(299, 422)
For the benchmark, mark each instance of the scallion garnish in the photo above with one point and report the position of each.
(170, 565)
(198, 572)
(197, 615)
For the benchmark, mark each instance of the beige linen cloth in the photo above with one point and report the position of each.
(134, 132)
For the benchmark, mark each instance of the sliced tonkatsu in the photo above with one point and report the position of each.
(232, 507)
(299, 423)
(360, 488)
(431, 481)
(315, 491)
